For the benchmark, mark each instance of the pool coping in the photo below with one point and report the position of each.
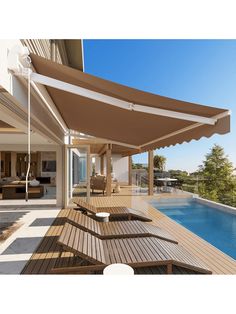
(212, 204)
(222, 207)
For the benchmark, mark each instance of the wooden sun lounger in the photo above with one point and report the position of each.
(117, 229)
(136, 252)
(115, 212)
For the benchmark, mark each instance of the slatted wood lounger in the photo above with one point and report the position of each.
(136, 252)
(117, 229)
(115, 212)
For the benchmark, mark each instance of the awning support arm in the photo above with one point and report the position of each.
(193, 126)
(84, 92)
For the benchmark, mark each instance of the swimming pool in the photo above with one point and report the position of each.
(215, 226)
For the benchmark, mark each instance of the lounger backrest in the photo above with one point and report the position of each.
(114, 210)
(87, 206)
(138, 213)
(82, 244)
(85, 222)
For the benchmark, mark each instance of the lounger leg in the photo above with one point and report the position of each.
(60, 251)
(82, 210)
(169, 269)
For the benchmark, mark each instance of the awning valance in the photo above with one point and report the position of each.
(137, 120)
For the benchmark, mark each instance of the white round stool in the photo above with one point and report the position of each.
(118, 269)
(103, 217)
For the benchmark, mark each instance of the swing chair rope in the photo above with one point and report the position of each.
(28, 133)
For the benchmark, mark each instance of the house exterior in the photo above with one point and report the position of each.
(59, 126)
(58, 169)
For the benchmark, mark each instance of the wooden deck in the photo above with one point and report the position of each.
(47, 253)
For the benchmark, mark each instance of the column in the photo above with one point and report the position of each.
(13, 164)
(102, 164)
(88, 173)
(53, 51)
(70, 173)
(60, 164)
(130, 170)
(108, 169)
(65, 176)
(150, 172)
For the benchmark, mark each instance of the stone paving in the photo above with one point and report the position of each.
(31, 224)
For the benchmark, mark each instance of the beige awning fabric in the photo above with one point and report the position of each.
(138, 131)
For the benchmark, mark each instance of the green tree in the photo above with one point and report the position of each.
(218, 182)
(159, 162)
(137, 166)
(178, 174)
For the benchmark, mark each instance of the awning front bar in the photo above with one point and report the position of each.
(74, 89)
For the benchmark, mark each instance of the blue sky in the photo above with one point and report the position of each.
(200, 71)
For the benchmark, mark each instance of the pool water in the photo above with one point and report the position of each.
(215, 226)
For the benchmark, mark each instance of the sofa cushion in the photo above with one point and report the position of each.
(9, 179)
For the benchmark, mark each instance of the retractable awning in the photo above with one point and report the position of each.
(135, 120)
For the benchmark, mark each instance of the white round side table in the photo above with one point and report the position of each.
(103, 217)
(118, 269)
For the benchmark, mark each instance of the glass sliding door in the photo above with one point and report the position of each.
(78, 172)
(43, 175)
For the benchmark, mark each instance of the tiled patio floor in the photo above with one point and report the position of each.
(30, 226)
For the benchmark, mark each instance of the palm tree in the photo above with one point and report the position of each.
(159, 162)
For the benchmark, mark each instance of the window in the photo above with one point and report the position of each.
(49, 166)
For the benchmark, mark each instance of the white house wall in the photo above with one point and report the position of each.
(119, 164)
(42, 120)
(5, 76)
(120, 168)
(97, 164)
